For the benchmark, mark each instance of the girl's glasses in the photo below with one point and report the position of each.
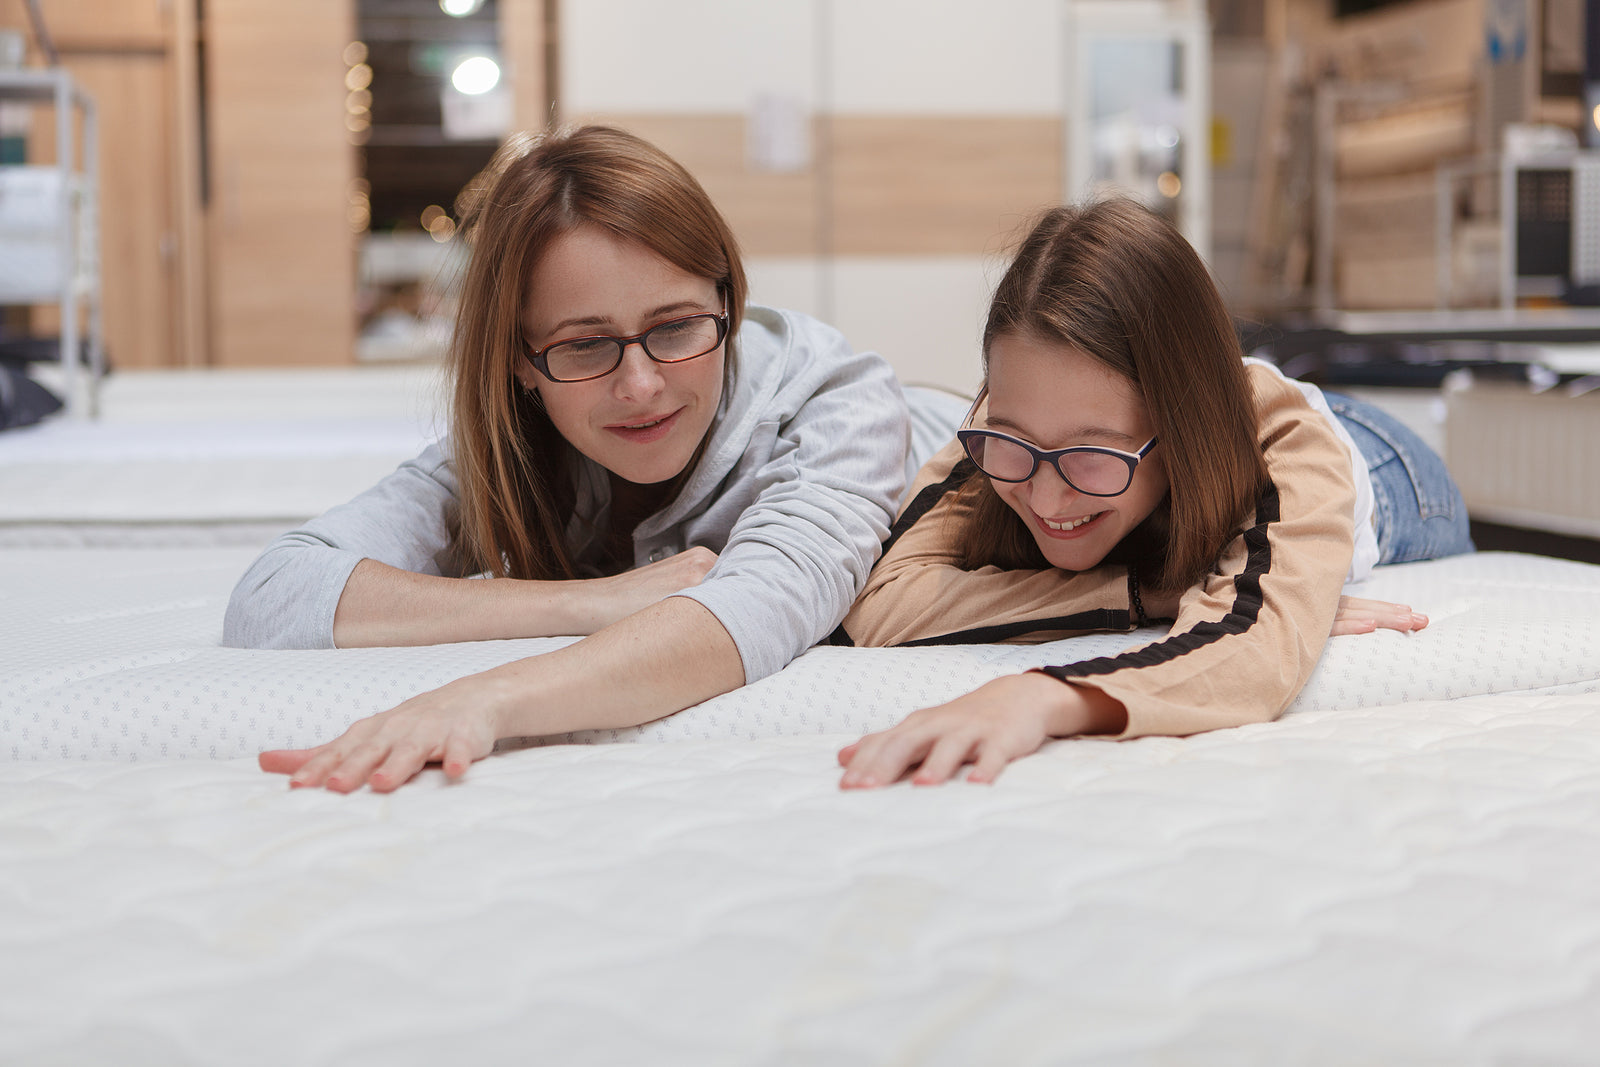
(579, 359)
(1090, 469)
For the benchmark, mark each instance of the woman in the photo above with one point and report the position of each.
(634, 455)
(1127, 467)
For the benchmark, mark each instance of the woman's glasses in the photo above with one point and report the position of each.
(1090, 469)
(579, 359)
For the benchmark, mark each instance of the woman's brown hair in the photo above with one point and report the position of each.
(1119, 283)
(512, 465)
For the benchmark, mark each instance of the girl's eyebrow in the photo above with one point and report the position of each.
(1093, 433)
(654, 315)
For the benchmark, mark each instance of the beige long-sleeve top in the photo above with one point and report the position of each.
(1244, 640)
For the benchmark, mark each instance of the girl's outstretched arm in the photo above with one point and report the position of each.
(994, 724)
(653, 663)
(1012, 716)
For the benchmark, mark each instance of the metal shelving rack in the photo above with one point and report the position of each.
(64, 241)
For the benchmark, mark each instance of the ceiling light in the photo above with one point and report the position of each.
(476, 75)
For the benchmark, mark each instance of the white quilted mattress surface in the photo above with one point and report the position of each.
(113, 654)
(1411, 884)
(1404, 870)
(212, 457)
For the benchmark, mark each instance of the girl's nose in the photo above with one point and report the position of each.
(1049, 494)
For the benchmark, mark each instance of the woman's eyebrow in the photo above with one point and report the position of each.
(601, 322)
(1093, 433)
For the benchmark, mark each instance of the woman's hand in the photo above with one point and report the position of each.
(387, 607)
(994, 724)
(1358, 616)
(628, 673)
(617, 597)
(453, 725)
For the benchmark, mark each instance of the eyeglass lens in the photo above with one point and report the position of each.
(668, 342)
(1088, 472)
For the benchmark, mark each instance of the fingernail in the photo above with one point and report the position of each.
(295, 783)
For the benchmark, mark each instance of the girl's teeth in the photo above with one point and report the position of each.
(647, 425)
(1071, 524)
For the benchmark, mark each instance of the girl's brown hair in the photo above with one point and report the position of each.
(1119, 283)
(512, 465)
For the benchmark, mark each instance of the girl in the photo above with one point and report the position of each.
(1128, 466)
(634, 454)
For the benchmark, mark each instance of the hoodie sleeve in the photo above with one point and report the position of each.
(833, 433)
(287, 597)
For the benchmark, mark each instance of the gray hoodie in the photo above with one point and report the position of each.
(795, 491)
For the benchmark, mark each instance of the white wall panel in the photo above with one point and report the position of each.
(685, 55)
(923, 314)
(947, 57)
(793, 282)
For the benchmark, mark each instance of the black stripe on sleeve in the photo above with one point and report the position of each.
(925, 500)
(1241, 616)
(920, 506)
(1098, 619)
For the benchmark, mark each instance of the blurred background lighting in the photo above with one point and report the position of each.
(459, 8)
(476, 75)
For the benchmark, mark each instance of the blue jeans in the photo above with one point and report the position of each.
(1418, 511)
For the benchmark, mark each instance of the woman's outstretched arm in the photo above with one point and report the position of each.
(651, 664)
(384, 606)
(383, 570)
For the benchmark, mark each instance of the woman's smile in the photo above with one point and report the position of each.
(647, 430)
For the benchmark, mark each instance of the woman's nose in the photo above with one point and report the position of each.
(639, 375)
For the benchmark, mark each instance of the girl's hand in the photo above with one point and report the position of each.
(1357, 616)
(453, 725)
(1004, 720)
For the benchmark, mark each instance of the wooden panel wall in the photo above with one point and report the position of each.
(937, 185)
(122, 54)
(282, 250)
(523, 46)
(894, 184)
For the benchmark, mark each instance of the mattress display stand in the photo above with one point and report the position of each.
(50, 233)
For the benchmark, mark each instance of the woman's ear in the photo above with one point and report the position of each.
(527, 375)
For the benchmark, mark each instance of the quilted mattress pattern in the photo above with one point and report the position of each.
(1412, 884)
(1403, 870)
(112, 654)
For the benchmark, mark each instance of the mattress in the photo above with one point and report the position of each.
(1404, 885)
(200, 458)
(113, 654)
(1404, 869)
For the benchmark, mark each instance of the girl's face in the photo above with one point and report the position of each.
(644, 421)
(1053, 396)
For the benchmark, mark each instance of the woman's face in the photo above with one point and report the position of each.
(644, 421)
(1054, 396)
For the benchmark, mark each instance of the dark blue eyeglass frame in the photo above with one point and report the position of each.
(1039, 455)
